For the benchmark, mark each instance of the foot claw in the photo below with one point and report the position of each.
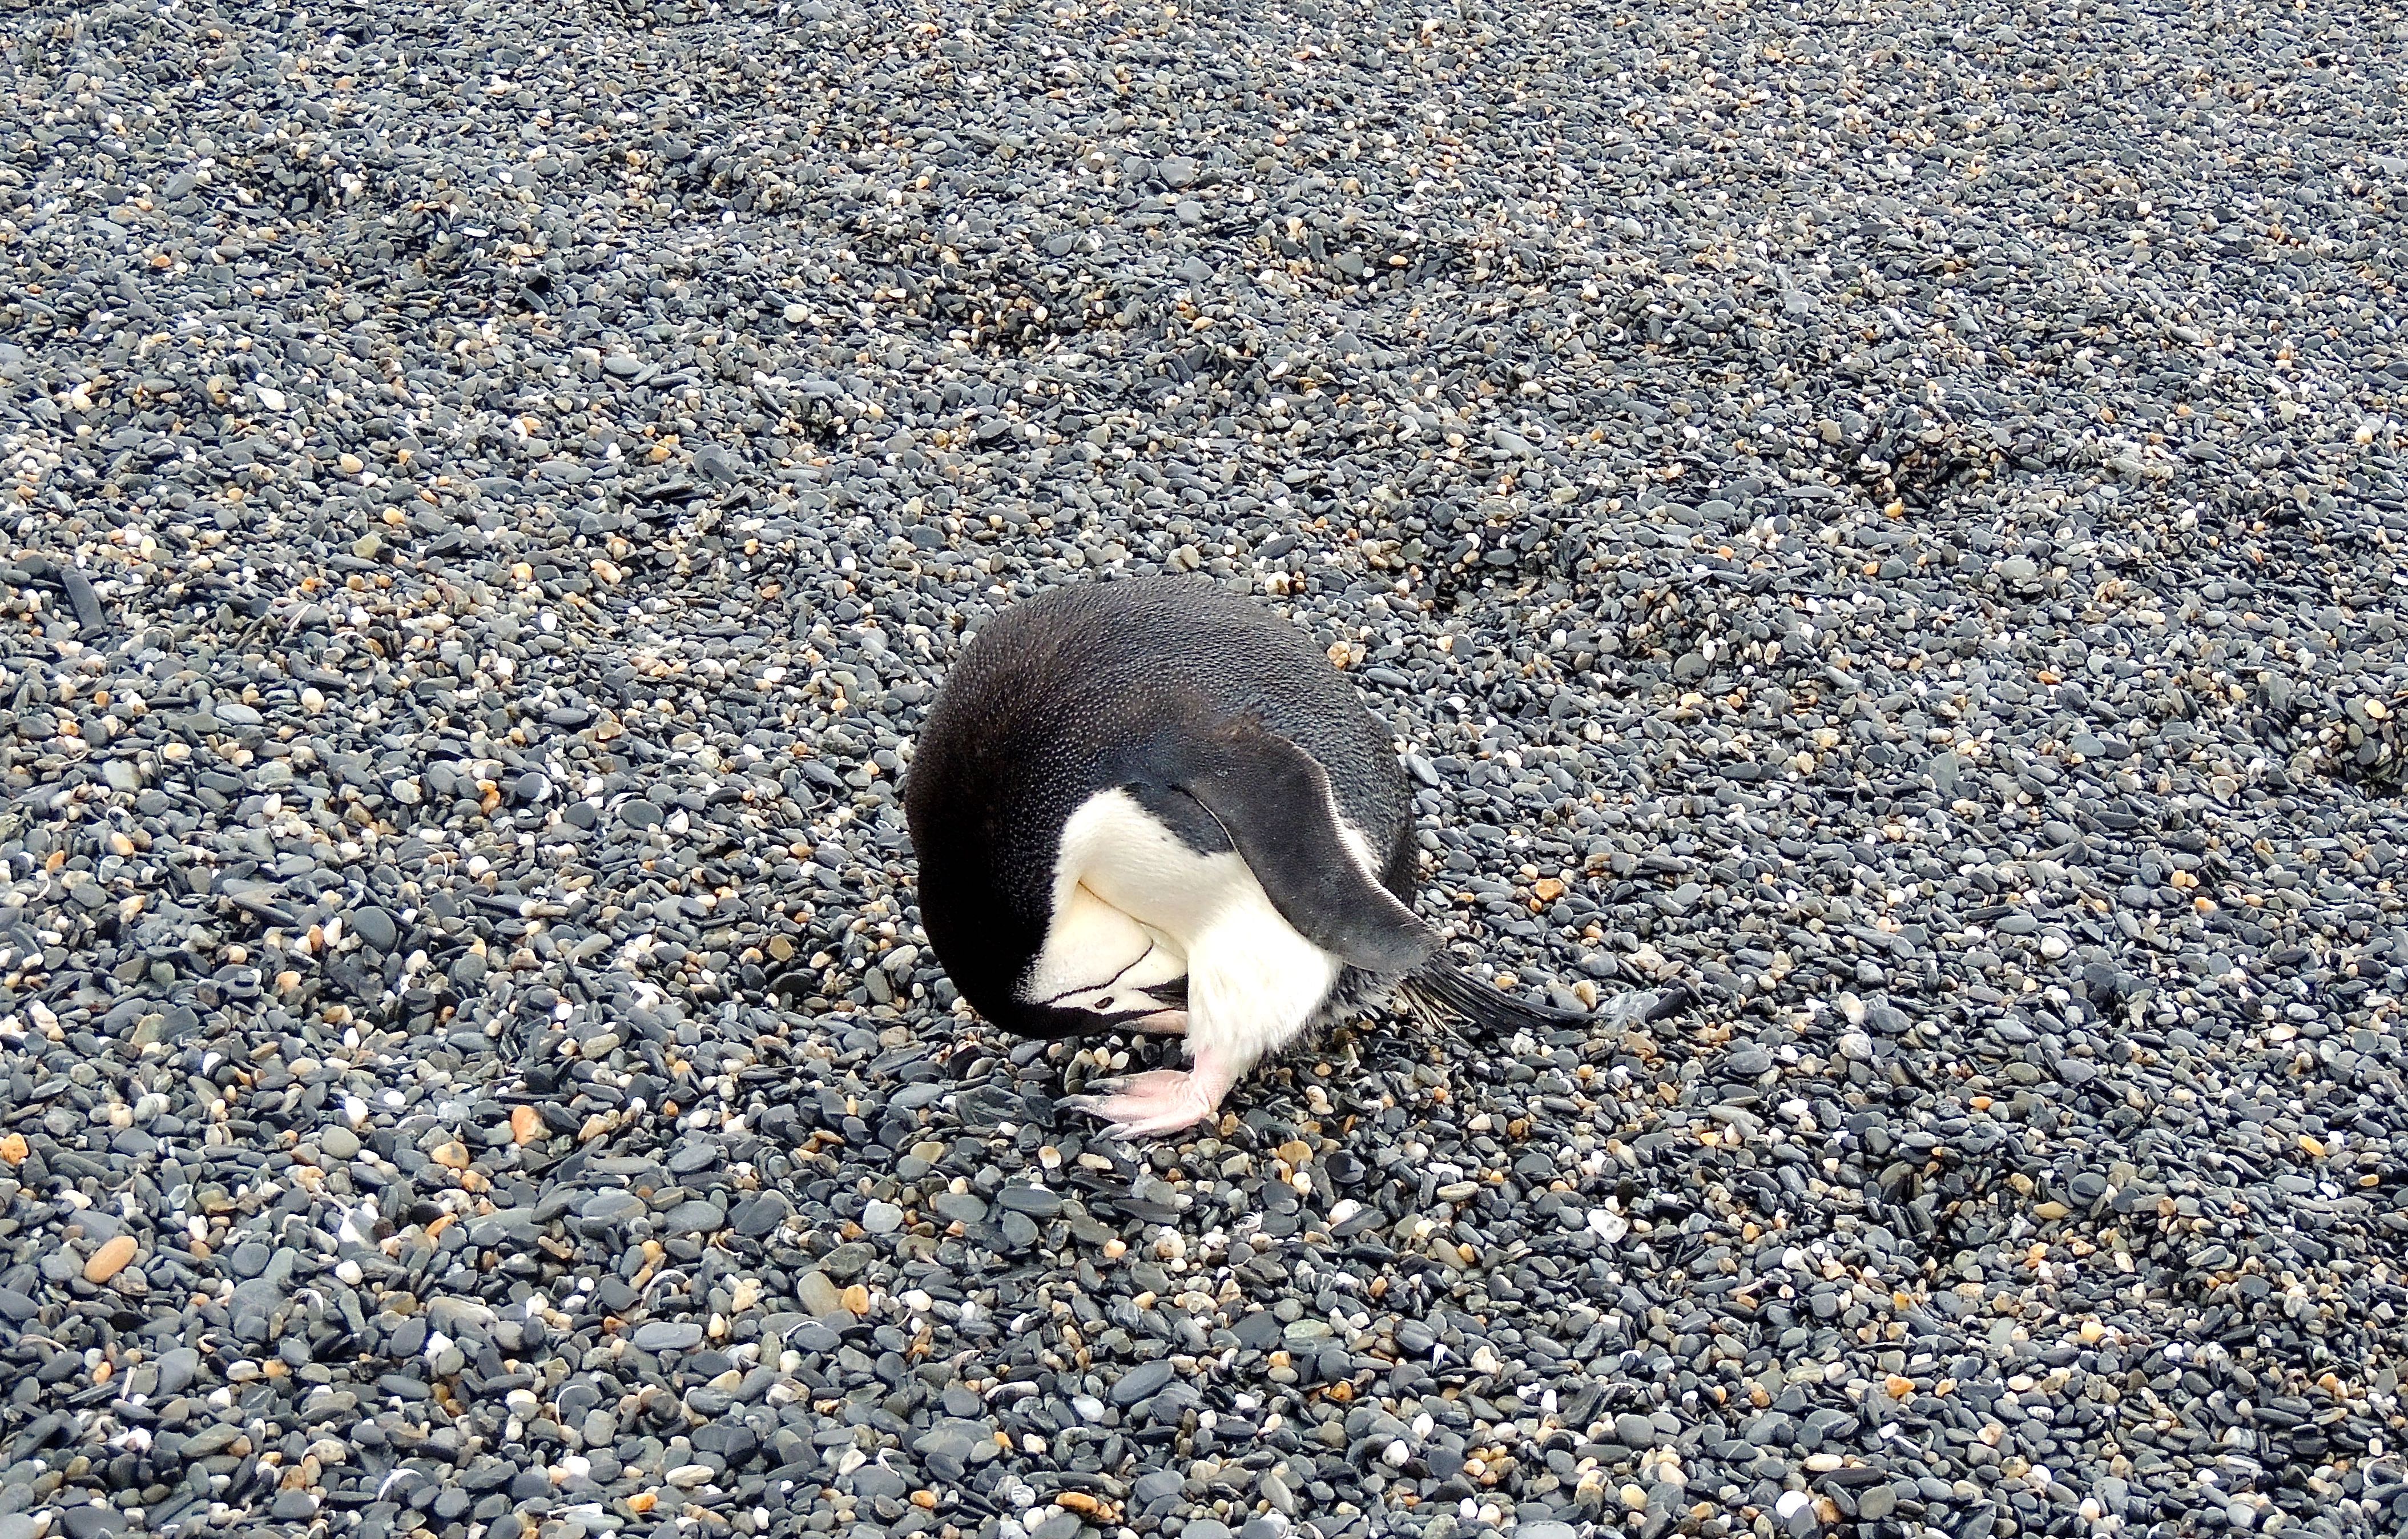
(1144, 1105)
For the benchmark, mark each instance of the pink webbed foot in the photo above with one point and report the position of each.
(1148, 1106)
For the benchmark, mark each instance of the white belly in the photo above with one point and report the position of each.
(1134, 906)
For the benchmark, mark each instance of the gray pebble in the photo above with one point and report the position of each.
(667, 1335)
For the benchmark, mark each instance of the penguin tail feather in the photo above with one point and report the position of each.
(1440, 984)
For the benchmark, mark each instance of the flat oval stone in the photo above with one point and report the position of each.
(615, 1206)
(696, 1216)
(667, 1335)
(759, 1214)
(1142, 1382)
(960, 1208)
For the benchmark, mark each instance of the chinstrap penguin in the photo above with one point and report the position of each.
(1147, 805)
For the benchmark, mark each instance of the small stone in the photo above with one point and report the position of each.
(759, 1214)
(375, 928)
(817, 1294)
(1274, 1491)
(178, 1367)
(667, 1335)
(699, 1216)
(612, 1205)
(1141, 1382)
(109, 1260)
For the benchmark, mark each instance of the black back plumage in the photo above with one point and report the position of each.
(1089, 687)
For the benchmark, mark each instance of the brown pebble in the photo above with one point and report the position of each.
(527, 1125)
(109, 1260)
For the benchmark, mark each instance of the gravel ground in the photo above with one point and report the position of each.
(1889, 516)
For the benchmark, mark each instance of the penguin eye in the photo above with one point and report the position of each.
(1104, 1003)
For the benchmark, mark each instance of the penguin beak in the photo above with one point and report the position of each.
(1160, 1009)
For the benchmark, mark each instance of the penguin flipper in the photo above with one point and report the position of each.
(1274, 801)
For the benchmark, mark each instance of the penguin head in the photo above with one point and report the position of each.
(1110, 1007)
